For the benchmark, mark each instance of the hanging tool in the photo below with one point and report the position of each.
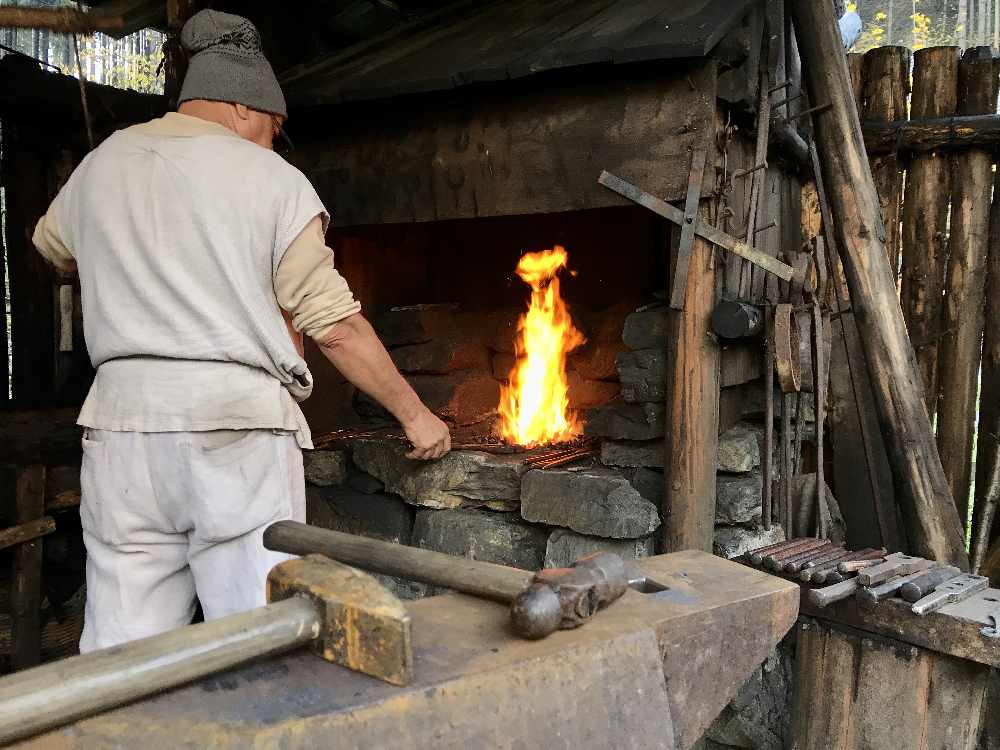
(951, 592)
(574, 594)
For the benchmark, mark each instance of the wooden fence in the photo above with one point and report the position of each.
(943, 241)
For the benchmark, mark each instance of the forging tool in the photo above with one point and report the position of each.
(925, 583)
(951, 592)
(541, 603)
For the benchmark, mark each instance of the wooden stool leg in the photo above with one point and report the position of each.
(26, 581)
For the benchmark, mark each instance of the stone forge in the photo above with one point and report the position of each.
(493, 505)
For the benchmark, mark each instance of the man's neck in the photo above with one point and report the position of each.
(220, 113)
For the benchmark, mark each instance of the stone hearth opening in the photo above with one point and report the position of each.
(445, 300)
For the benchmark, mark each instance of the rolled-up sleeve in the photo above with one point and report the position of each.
(49, 241)
(308, 286)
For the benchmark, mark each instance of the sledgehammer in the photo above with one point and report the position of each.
(541, 603)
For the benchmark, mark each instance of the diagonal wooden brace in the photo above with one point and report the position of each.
(715, 236)
(686, 244)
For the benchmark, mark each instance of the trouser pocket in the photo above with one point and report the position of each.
(239, 481)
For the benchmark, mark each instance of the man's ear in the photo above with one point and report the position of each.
(242, 111)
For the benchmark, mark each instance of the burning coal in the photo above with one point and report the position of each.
(534, 406)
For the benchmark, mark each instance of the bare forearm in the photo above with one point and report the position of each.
(355, 350)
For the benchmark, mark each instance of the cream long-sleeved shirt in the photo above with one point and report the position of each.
(136, 392)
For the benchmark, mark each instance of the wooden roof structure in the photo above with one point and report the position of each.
(470, 42)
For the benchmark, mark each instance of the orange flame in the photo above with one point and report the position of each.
(534, 407)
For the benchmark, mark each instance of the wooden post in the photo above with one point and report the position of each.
(988, 444)
(692, 399)
(961, 346)
(934, 527)
(855, 68)
(925, 216)
(26, 578)
(886, 86)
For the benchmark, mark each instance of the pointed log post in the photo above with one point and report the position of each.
(934, 528)
(958, 364)
(692, 400)
(886, 81)
(925, 216)
(988, 444)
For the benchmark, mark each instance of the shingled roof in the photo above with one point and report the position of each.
(470, 42)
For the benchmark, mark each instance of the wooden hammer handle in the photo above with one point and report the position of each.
(486, 580)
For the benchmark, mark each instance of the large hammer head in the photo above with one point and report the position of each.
(362, 625)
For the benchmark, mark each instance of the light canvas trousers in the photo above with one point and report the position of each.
(168, 516)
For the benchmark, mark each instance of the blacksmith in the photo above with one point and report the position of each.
(202, 262)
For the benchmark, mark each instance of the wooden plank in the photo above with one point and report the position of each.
(686, 243)
(494, 152)
(692, 400)
(925, 217)
(26, 532)
(701, 227)
(859, 691)
(891, 682)
(961, 348)
(824, 688)
(886, 81)
(952, 630)
(26, 572)
(741, 363)
(934, 529)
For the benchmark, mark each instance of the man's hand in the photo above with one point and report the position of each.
(429, 435)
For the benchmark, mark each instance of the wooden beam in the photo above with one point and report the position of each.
(922, 135)
(63, 20)
(935, 530)
(925, 216)
(692, 400)
(26, 572)
(961, 347)
(26, 532)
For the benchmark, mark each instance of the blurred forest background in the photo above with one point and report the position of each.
(927, 23)
(132, 62)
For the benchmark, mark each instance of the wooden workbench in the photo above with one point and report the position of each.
(652, 671)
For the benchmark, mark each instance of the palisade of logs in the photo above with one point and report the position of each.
(948, 229)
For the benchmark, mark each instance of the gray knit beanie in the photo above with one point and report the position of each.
(226, 63)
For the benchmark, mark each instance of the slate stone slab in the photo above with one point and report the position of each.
(733, 541)
(565, 547)
(587, 394)
(463, 398)
(501, 538)
(738, 450)
(593, 502)
(415, 324)
(443, 354)
(738, 498)
(595, 360)
(646, 329)
(649, 483)
(632, 453)
(459, 478)
(324, 468)
(643, 375)
(621, 421)
(379, 516)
